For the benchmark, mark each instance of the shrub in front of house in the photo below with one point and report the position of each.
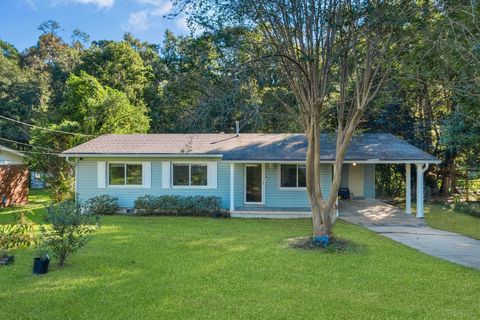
(69, 229)
(175, 205)
(468, 208)
(103, 204)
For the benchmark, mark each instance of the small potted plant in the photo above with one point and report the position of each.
(41, 259)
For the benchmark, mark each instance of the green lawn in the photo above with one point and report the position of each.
(202, 268)
(441, 217)
(444, 218)
(37, 199)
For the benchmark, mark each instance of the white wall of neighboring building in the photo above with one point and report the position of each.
(9, 157)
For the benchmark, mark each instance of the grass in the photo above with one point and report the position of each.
(444, 218)
(202, 268)
(37, 200)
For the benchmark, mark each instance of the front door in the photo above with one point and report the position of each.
(253, 183)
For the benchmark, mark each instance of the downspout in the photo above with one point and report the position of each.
(426, 167)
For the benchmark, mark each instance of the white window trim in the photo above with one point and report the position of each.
(280, 178)
(262, 165)
(124, 186)
(189, 163)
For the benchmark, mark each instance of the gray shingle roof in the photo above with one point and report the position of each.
(250, 146)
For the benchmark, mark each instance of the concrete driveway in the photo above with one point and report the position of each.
(393, 223)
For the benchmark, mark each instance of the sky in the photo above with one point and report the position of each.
(100, 19)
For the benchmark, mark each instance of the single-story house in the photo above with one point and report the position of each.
(13, 177)
(247, 171)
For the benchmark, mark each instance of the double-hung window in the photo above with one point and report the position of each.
(190, 175)
(125, 174)
(293, 176)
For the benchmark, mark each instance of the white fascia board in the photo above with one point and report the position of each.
(18, 153)
(373, 161)
(140, 155)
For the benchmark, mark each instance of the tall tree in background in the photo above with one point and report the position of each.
(333, 55)
(89, 110)
(19, 94)
(205, 83)
(119, 66)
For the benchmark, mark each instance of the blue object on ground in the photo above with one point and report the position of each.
(321, 240)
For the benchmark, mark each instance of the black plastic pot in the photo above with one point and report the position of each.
(40, 266)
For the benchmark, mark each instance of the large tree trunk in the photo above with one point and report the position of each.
(322, 222)
(323, 211)
(448, 174)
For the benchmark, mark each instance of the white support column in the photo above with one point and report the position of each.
(232, 187)
(419, 190)
(408, 188)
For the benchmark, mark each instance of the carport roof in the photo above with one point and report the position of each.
(368, 147)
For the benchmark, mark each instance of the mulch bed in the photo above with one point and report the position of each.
(336, 244)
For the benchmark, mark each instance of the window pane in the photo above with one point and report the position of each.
(288, 174)
(116, 174)
(134, 174)
(302, 176)
(180, 174)
(199, 175)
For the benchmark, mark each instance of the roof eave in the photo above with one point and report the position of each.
(140, 155)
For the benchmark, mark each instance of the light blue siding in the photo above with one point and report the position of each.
(274, 195)
(239, 185)
(369, 181)
(278, 197)
(87, 182)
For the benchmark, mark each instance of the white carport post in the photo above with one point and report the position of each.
(232, 186)
(408, 188)
(419, 190)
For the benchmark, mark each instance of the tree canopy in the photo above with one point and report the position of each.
(228, 71)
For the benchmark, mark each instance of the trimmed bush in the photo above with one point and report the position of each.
(103, 204)
(177, 205)
(468, 208)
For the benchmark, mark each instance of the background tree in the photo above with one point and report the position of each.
(332, 55)
(89, 110)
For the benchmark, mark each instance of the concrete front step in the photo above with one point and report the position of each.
(271, 214)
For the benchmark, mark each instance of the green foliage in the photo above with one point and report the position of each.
(91, 109)
(177, 205)
(70, 229)
(19, 94)
(100, 109)
(226, 72)
(103, 204)
(389, 180)
(42, 250)
(18, 234)
(58, 173)
(466, 207)
(171, 268)
(474, 184)
(119, 66)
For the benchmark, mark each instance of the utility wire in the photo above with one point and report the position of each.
(38, 152)
(47, 129)
(28, 145)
